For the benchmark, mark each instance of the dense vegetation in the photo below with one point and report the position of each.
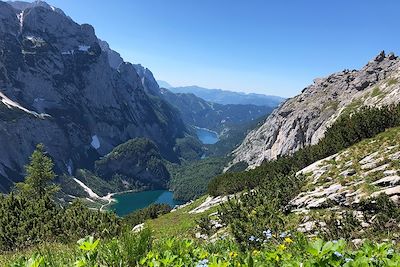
(346, 131)
(190, 179)
(276, 250)
(231, 137)
(137, 162)
(188, 148)
(29, 215)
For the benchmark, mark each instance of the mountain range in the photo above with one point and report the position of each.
(225, 97)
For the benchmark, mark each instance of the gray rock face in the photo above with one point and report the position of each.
(62, 88)
(303, 120)
(114, 58)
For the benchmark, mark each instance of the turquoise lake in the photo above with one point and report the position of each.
(206, 136)
(128, 202)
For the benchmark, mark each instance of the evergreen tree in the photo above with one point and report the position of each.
(39, 174)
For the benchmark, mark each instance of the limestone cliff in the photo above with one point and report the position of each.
(303, 120)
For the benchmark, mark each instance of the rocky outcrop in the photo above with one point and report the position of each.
(365, 170)
(303, 120)
(60, 86)
(114, 58)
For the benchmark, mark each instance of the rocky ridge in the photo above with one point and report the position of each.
(303, 120)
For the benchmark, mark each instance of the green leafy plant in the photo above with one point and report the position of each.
(88, 247)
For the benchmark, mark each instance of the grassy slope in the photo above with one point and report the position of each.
(174, 224)
(178, 223)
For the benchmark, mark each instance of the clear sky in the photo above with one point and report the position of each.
(271, 47)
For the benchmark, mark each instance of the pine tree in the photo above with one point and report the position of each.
(39, 173)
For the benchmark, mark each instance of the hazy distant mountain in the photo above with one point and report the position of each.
(164, 84)
(228, 97)
(198, 112)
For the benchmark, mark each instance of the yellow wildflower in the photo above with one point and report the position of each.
(282, 247)
(277, 258)
(288, 240)
(256, 252)
(233, 254)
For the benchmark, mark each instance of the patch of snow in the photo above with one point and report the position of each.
(90, 200)
(84, 48)
(69, 167)
(53, 8)
(87, 189)
(38, 100)
(20, 17)
(70, 52)
(35, 39)
(95, 142)
(12, 104)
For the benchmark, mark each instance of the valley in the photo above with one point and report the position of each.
(97, 131)
(104, 164)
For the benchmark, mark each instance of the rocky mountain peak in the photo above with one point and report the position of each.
(22, 5)
(303, 120)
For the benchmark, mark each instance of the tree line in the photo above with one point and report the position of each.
(346, 131)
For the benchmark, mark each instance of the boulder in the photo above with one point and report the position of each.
(349, 172)
(380, 57)
(388, 181)
(138, 228)
(389, 191)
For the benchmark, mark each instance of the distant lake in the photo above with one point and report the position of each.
(128, 202)
(206, 136)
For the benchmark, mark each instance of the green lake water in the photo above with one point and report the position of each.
(128, 202)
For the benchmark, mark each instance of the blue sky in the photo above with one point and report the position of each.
(270, 47)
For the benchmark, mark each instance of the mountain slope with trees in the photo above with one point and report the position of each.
(58, 87)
